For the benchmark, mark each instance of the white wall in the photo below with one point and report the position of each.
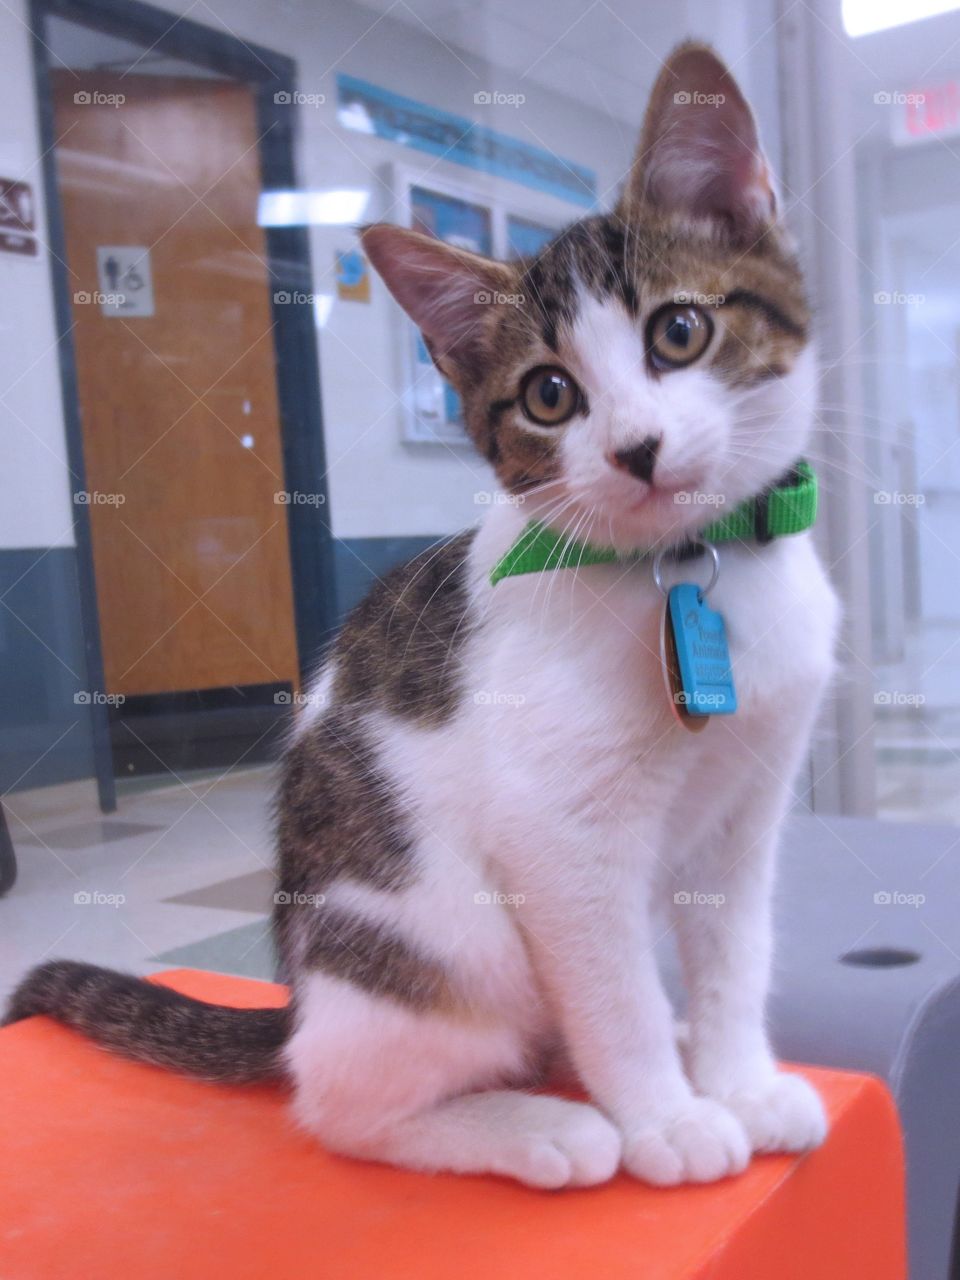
(36, 507)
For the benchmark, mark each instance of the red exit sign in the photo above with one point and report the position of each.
(933, 112)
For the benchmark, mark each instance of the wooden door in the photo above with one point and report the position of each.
(179, 410)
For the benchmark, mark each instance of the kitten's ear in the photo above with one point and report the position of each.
(448, 292)
(699, 151)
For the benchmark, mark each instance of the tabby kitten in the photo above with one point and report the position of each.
(489, 799)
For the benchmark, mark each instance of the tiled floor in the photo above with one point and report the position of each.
(181, 874)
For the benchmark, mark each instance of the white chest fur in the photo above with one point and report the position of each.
(568, 695)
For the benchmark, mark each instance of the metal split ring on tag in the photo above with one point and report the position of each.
(711, 551)
(693, 648)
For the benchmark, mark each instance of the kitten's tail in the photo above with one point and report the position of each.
(151, 1023)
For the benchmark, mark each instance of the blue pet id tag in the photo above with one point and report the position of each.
(695, 653)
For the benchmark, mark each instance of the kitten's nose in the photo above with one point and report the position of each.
(639, 458)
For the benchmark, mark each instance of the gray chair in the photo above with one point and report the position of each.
(868, 978)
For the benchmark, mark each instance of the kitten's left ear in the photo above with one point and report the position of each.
(699, 151)
(447, 292)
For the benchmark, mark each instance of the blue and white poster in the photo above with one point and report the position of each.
(368, 108)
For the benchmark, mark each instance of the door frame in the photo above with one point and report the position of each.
(821, 198)
(295, 344)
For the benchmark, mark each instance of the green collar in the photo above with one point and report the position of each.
(789, 507)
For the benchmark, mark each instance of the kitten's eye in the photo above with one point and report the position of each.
(678, 335)
(549, 396)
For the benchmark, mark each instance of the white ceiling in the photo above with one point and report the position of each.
(605, 53)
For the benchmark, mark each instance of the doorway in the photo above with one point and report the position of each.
(191, 391)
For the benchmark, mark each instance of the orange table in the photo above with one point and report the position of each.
(109, 1169)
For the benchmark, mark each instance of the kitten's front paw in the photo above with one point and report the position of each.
(784, 1113)
(700, 1141)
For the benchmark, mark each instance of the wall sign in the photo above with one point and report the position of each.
(370, 109)
(18, 218)
(928, 113)
(353, 276)
(124, 280)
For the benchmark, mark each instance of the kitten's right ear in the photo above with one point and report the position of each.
(447, 292)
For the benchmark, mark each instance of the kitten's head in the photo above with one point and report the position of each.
(648, 369)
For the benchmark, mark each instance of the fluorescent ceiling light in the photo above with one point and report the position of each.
(311, 208)
(861, 17)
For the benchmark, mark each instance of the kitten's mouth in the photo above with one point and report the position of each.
(657, 493)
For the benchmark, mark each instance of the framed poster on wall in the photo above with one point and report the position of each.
(470, 220)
